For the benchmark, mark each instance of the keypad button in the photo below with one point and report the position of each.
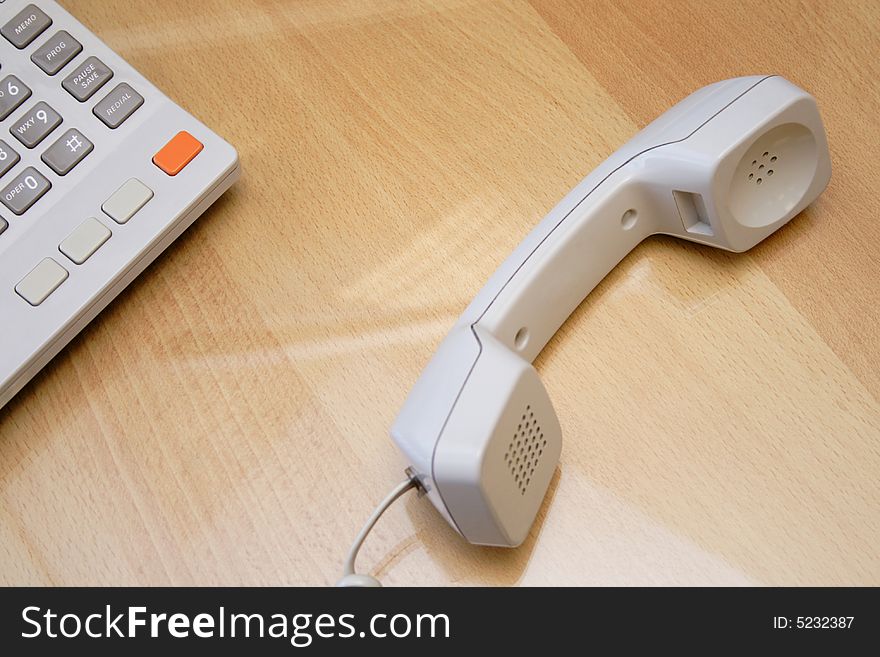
(56, 52)
(33, 127)
(3, 225)
(127, 200)
(177, 153)
(13, 92)
(68, 151)
(118, 105)
(24, 190)
(42, 281)
(85, 240)
(8, 157)
(88, 77)
(26, 26)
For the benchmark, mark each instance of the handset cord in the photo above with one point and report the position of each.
(349, 577)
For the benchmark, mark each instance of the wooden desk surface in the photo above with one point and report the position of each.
(225, 421)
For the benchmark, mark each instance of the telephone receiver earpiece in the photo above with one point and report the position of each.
(725, 167)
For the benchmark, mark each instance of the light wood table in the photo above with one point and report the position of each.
(225, 421)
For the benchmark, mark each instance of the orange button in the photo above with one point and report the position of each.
(177, 153)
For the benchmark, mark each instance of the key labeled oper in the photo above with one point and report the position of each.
(24, 190)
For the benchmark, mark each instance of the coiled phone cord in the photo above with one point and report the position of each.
(349, 577)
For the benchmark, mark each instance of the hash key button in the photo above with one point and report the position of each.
(33, 127)
(68, 151)
(118, 105)
(90, 76)
(24, 190)
(26, 26)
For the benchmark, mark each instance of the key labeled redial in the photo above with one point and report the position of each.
(118, 105)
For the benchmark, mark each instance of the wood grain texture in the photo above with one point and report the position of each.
(225, 420)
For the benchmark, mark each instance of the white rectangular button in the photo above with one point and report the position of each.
(127, 200)
(42, 281)
(85, 240)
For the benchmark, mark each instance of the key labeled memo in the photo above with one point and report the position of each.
(26, 26)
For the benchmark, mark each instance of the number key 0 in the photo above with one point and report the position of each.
(24, 190)
(13, 92)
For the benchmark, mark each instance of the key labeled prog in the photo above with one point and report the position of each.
(56, 52)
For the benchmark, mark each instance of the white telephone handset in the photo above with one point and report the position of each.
(725, 167)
